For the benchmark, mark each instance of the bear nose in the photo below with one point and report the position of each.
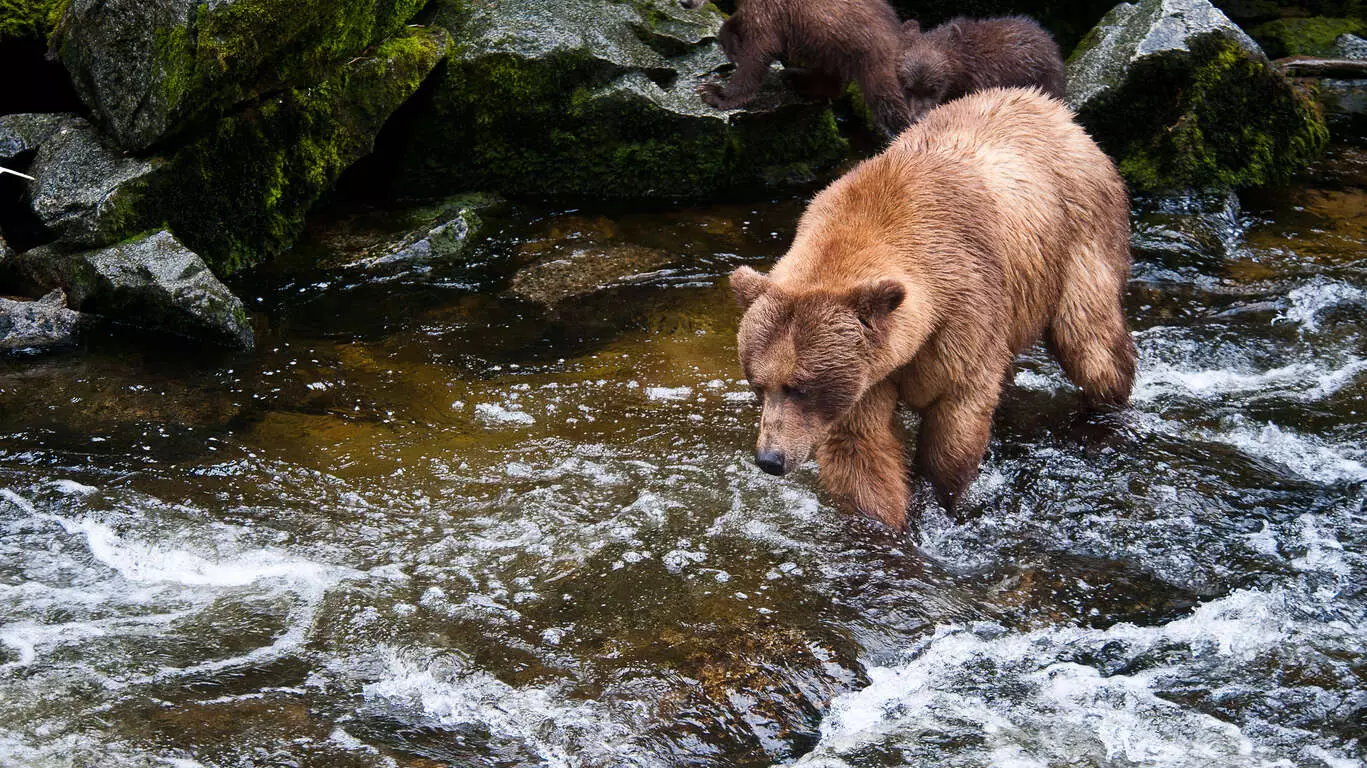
(770, 461)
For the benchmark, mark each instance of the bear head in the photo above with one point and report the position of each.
(924, 71)
(809, 358)
(692, 4)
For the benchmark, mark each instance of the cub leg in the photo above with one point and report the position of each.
(752, 55)
(863, 460)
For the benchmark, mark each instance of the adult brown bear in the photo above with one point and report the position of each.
(918, 277)
(832, 42)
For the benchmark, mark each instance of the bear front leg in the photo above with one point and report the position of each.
(954, 434)
(863, 461)
(752, 57)
(883, 95)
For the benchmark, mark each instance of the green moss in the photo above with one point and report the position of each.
(29, 19)
(239, 194)
(1306, 36)
(1216, 118)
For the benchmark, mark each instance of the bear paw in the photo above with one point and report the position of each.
(713, 95)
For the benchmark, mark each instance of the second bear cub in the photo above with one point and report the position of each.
(962, 56)
(834, 42)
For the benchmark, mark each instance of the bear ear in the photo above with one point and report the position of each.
(910, 28)
(748, 285)
(874, 302)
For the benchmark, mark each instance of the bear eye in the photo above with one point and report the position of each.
(797, 391)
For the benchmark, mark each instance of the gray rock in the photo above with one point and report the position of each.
(1188, 230)
(25, 132)
(152, 282)
(1133, 32)
(37, 325)
(442, 238)
(1351, 47)
(1184, 99)
(85, 193)
(147, 68)
(598, 97)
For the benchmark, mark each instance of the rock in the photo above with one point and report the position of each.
(151, 281)
(406, 240)
(28, 19)
(1351, 47)
(41, 324)
(86, 194)
(596, 97)
(238, 193)
(1187, 231)
(1304, 36)
(1182, 98)
(23, 133)
(147, 68)
(554, 280)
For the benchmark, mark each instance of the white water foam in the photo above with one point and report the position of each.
(1305, 304)
(1000, 698)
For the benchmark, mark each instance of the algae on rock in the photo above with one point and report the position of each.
(594, 97)
(1314, 36)
(238, 193)
(1183, 98)
(149, 68)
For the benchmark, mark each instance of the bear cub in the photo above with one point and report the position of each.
(962, 56)
(918, 277)
(832, 42)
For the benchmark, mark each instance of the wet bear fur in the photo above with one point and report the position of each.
(827, 43)
(962, 56)
(918, 277)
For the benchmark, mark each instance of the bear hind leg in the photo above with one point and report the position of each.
(1089, 338)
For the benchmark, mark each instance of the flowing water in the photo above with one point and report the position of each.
(431, 522)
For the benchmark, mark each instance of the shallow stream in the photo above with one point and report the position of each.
(432, 522)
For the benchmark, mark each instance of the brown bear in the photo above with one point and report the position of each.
(918, 277)
(833, 41)
(965, 55)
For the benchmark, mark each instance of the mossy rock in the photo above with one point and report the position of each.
(1316, 36)
(238, 194)
(29, 19)
(1183, 99)
(595, 97)
(148, 68)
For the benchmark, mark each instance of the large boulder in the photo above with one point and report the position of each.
(238, 192)
(148, 68)
(85, 193)
(37, 325)
(151, 281)
(23, 133)
(1183, 98)
(597, 97)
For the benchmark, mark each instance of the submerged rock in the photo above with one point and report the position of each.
(238, 193)
(1185, 99)
(556, 279)
(148, 68)
(41, 324)
(86, 194)
(596, 97)
(152, 281)
(25, 132)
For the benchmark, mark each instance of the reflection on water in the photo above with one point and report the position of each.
(436, 520)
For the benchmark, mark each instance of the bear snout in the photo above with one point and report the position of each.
(772, 462)
(691, 4)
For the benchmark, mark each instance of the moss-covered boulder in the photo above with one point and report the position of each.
(597, 97)
(238, 192)
(151, 281)
(85, 193)
(1183, 98)
(1314, 36)
(148, 68)
(28, 19)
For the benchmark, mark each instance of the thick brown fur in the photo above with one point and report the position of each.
(918, 277)
(832, 42)
(962, 56)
